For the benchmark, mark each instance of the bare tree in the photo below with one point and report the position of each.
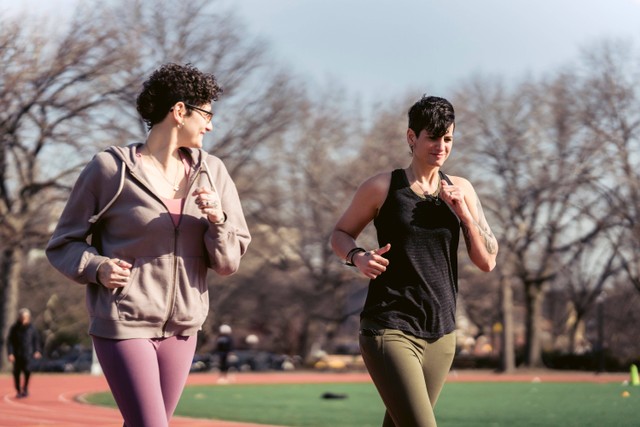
(611, 112)
(584, 279)
(51, 89)
(540, 164)
(309, 173)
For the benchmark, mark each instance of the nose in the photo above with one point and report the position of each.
(209, 126)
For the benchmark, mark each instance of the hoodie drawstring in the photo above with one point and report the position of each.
(97, 216)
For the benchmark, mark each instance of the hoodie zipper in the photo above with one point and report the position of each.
(174, 275)
(173, 291)
(174, 281)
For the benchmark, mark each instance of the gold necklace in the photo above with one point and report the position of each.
(156, 164)
(426, 194)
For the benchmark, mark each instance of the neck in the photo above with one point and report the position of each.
(165, 158)
(427, 175)
(162, 148)
(161, 154)
(425, 181)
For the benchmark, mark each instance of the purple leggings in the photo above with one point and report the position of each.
(146, 376)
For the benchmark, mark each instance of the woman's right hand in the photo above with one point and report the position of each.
(114, 273)
(371, 263)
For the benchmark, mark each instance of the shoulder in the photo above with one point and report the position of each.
(373, 191)
(103, 168)
(377, 183)
(104, 163)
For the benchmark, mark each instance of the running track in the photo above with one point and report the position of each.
(56, 399)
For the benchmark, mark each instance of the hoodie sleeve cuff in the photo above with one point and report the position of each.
(91, 270)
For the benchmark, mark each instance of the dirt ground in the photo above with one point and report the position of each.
(55, 400)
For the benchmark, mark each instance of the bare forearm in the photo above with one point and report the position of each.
(483, 234)
(342, 243)
(481, 244)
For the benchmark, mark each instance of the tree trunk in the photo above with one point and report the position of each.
(11, 270)
(534, 300)
(573, 332)
(303, 338)
(508, 360)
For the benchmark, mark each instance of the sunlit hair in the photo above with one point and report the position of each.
(173, 83)
(431, 114)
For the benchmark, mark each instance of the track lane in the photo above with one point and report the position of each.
(56, 399)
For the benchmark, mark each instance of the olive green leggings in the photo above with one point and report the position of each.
(408, 372)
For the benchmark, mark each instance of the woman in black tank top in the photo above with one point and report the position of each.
(407, 334)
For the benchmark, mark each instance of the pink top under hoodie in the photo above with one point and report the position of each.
(167, 293)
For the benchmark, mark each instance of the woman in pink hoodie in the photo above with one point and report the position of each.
(142, 226)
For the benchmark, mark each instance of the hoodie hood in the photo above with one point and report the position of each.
(127, 157)
(129, 153)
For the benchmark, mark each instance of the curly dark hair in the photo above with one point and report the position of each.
(432, 114)
(173, 83)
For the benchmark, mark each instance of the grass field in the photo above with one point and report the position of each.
(460, 404)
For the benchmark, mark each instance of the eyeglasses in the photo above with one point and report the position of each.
(207, 115)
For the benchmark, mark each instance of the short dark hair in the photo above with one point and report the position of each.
(432, 114)
(173, 83)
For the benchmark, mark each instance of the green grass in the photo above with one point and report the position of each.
(460, 404)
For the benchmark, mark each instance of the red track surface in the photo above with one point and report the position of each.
(55, 399)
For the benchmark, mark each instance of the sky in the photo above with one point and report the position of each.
(377, 49)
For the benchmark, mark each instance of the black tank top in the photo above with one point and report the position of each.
(417, 294)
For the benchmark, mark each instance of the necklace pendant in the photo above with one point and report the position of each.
(176, 187)
(435, 198)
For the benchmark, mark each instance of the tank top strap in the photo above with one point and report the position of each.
(445, 177)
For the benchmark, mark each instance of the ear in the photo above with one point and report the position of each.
(179, 110)
(411, 137)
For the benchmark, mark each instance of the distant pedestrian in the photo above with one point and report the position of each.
(224, 346)
(407, 326)
(23, 346)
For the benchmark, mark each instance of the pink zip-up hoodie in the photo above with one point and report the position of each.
(114, 212)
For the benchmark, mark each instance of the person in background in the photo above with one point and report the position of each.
(159, 214)
(407, 326)
(224, 346)
(23, 346)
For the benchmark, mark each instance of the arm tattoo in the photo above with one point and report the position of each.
(481, 225)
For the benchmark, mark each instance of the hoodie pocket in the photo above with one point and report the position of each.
(147, 295)
(192, 297)
(101, 301)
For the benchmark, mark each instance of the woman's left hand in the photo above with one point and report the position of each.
(208, 202)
